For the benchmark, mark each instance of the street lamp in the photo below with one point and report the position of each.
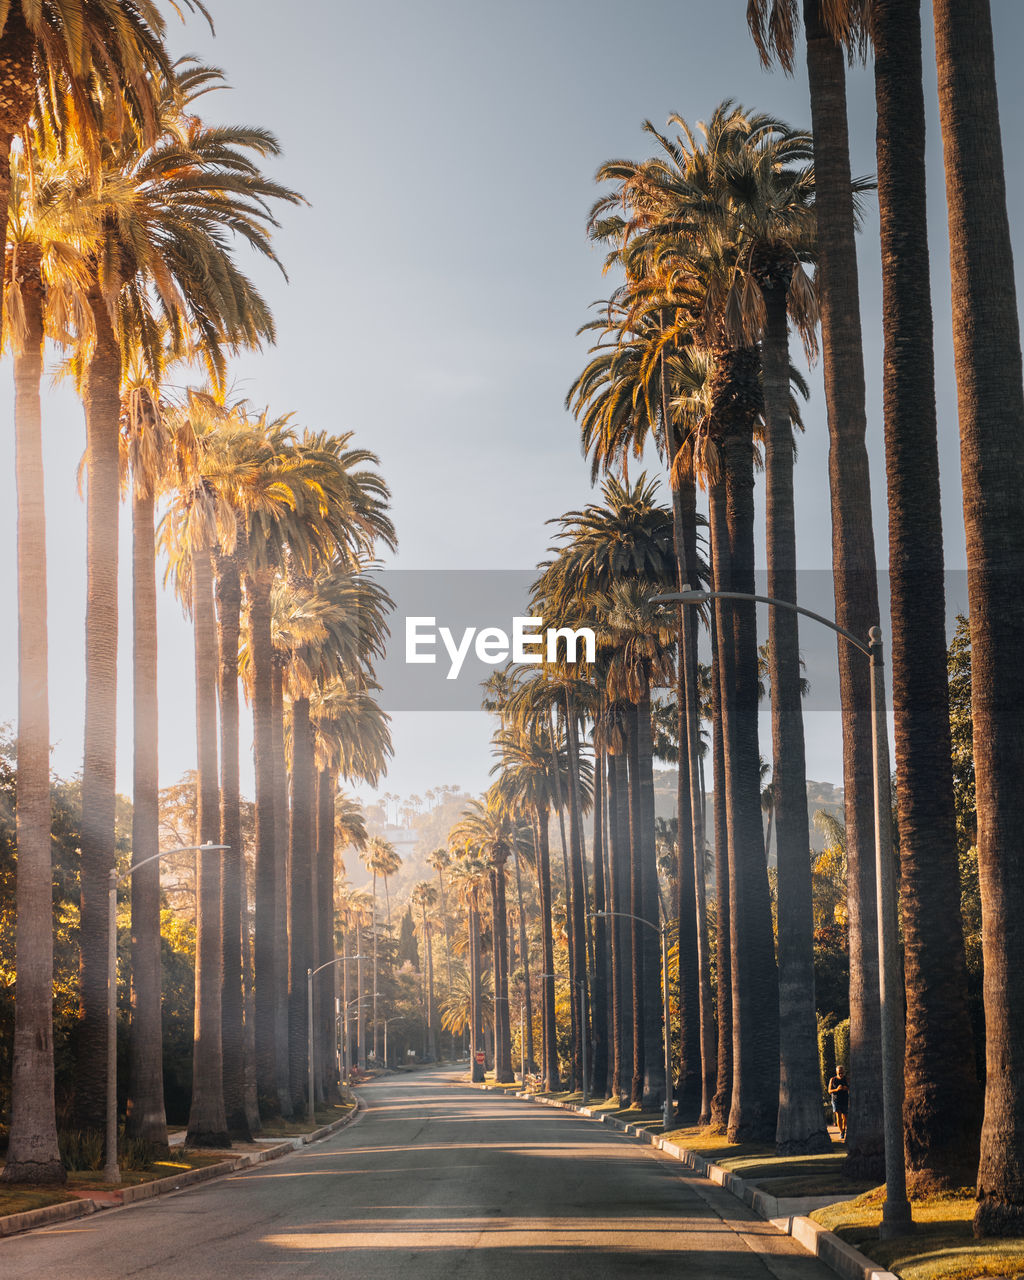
(343, 1018)
(397, 1018)
(310, 975)
(111, 1172)
(662, 932)
(896, 1216)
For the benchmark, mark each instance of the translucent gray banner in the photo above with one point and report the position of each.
(451, 629)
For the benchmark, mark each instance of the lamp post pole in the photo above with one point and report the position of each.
(896, 1215)
(662, 932)
(111, 1170)
(311, 1083)
(387, 1021)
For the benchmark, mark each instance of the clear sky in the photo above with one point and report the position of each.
(436, 283)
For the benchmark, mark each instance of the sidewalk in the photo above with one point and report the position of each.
(94, 1201)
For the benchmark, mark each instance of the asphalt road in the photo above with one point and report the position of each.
(434, 1181)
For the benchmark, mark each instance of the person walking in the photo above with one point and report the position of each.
(839, 1094)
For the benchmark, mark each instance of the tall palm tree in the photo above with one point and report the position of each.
(991, 407)
(378, 853)
(164, 209)
(487, 828)
(830, 34)
(470, 876)
(425, 896)
(439, 860)
(38, 244)
(939, 1074)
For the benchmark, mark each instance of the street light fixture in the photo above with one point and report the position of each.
(111, 1171)
(396, 1018)
(310, 975)
(662, 932)
(896, 1215)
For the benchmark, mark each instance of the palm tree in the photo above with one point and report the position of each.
(425, 896)
(829, 35)
(378, 853)
(163, 210)
(38, 246)
(526, 783)
(991, 403)
(440, 860)
(470, 875)
(487, 828)
(939, 1075)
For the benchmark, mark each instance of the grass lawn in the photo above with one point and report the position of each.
(19, 1199)
(279, 1128)
(941, 1248)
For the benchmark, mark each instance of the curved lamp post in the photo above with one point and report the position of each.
(896, 1215)
(662, 932)
(396, 1018)
(310, 975)
(111, 1171)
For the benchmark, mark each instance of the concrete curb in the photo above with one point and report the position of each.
(69, 1210)
(842, 1258)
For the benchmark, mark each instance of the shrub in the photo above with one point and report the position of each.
(841, 1037)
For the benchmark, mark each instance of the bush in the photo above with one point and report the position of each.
(826, 1050)
(81, 1150)
(841, 1036)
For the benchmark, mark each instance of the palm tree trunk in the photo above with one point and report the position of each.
(801, 1125)
(578, 934)
(282, 882)
(476, 1036)
(600, 990)
(524, 952)
(942, 1100)
(433, 1047)
(102, 419)
(229, 610)
(618, 1075)
(33, 1155)
(688, 819)
(146, 1116)
(655, 1083)
(503, 1073)
(252, 1097)
(986, 336)
(207, 1124)
(853, 566)
(264, 957)
(300, 921)
(755, 991)
(623, 881)
(688, 1089)
(636, 908)
(549, 1047)
(376, 1026)
(326, 1035)
(721, 1102)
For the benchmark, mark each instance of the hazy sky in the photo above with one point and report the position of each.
(437, 279)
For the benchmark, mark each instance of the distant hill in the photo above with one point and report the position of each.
(820, 795)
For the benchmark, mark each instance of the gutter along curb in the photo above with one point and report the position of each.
(69, 1210)
(842, 1258)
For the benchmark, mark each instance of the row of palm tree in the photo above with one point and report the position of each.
(125, 214)
(710, 237)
